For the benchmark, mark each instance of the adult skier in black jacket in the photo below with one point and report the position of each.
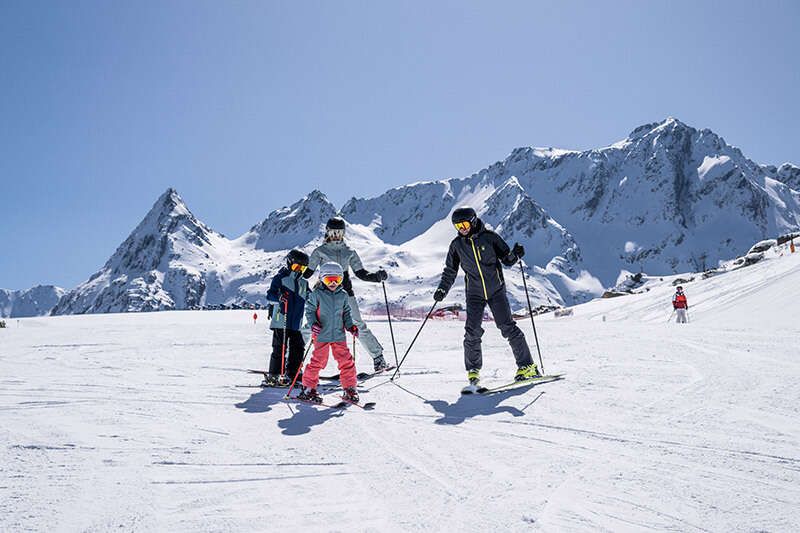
(480, 252)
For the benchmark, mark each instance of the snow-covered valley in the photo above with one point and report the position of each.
(148, 421)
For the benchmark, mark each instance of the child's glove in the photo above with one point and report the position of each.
(354, 330)
(316, 329)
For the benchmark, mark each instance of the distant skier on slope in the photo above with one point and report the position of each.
(680, 305)
(287, 297)
(335, 250)
(480, 252)
(328, 313)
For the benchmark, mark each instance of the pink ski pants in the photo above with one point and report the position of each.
(319, 358)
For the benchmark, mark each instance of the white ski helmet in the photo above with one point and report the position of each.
(330, 269)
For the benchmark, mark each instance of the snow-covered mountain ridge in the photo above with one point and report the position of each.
(669, 198)
(35, 301)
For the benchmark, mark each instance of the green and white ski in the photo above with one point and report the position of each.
(473, 389)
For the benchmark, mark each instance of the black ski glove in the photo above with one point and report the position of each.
(518, 250)
(372, 277)
(439, 294)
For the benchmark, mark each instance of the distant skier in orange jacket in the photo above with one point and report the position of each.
(680, 305)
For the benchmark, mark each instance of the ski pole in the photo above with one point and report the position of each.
(299, 368)
(389, 316)
(285, 325)
(530, 312)
(670, 315)
(396, 370)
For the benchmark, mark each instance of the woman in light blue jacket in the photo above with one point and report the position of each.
(335, 250)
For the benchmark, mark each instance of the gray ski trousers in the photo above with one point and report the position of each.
(501, 311)
(681, 316)
(365, 336)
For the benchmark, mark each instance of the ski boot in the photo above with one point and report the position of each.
(283, 380)
(379, 364)
(527, 372)
(309, 395)
(270, 380)
(474, 386)
(350, 395)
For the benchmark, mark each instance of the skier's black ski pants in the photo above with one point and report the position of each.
(501, 311)
(294, 350)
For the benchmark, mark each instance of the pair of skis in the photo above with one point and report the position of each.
(340, 405)
(478, 389)
(361, 376)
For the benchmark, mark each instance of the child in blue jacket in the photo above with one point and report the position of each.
(287, 296)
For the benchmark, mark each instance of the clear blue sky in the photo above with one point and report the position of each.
(247, 106)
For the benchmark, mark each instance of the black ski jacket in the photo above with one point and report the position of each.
(480, 255)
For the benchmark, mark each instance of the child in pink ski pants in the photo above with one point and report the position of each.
(328, 312)
(319, 359)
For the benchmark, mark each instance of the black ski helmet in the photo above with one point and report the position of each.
(679, 288)
(335, 223)
(334, 229)
(296, 256)
(464, 214)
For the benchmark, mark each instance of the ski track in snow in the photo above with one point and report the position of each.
(140, 422)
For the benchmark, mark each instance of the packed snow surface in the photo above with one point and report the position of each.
(147, 421)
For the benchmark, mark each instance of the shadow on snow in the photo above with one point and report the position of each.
(262, 401)
(303, 417)
(472, 405)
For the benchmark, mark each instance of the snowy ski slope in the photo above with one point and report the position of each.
(147, 422)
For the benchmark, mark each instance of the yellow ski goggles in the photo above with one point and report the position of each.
(332, 279)
(463, 225)
(297, 267)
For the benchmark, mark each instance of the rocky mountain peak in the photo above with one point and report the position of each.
(36, 301)
(786, 173)
(292, 226)
(670, 125)
(168, 221)
(517, 217)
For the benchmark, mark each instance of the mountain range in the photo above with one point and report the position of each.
(35, 301)
(668, 198)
